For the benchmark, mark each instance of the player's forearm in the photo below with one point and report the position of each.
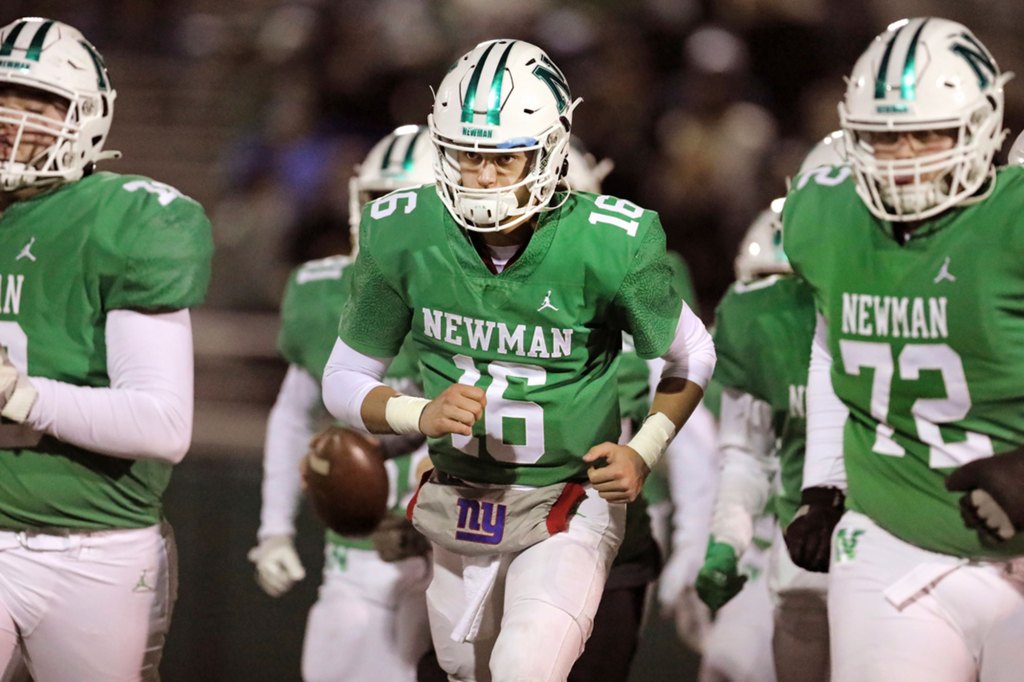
(747, 446)
(676, 399)
(147, 411)
(693, 465)
(826, 419)
(689, 363)
(290, 426)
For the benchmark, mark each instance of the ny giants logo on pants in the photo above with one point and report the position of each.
(482, 522)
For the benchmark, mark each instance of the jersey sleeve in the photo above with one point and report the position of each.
(166, 249)
(375, 318)
(648, 302)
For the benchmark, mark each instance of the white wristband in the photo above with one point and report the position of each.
(652, 438)
(402, 413)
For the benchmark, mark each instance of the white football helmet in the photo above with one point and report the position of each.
(403, 158)
(923, 74)
(761, 251)
(1016, 156)
(503, 95)
(829, 151)
(47, 55)
(585, 172)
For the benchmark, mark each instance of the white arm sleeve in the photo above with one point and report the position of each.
(290, 427)
(747, 444)
(348, 377)
(147, 411)
(693, 471)
(692, 353)
(826, 418)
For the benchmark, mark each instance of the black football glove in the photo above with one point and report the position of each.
(993, 499)
(809, 535)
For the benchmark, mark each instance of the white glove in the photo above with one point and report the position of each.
(693, 619)
(679, 572)
(17, 394)
(277, 564)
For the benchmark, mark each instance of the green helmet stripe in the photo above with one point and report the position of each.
(386, 161)
(12, 37)
(976, 58)
(908, 82)
(413, 141)
(474, 81)
(494, 106)
(101, 70)
(883, 68)
(35, 48)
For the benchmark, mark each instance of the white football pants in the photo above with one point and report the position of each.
(899, 612)
(541, 610)
(369, 622)
(87, 607)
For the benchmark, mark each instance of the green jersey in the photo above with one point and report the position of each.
(763, 333)
(927, 341)
(74, 254)
(313, 299)
(542, 338)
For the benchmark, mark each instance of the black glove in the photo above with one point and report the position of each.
(396, 539)
(993, 499)
(809, 535)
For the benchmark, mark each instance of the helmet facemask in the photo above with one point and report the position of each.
(499, 208)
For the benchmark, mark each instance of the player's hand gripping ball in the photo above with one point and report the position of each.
(346, 480)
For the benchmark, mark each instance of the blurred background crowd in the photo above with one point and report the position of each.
(260, 109)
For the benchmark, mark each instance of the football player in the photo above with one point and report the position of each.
(763, 329)
(96, 393)
(369, 621)
(914, 407)
(516, 296)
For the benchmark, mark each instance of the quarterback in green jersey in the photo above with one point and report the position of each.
(370, 619)
(914, 398)
(516, 297)
(96, 363)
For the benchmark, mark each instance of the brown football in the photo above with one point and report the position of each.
(346, 480)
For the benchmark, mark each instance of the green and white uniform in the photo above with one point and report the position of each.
(542, 338)
(927, 339)
(76, 253)
(89, 569)
(358, 586)
(763, 332)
